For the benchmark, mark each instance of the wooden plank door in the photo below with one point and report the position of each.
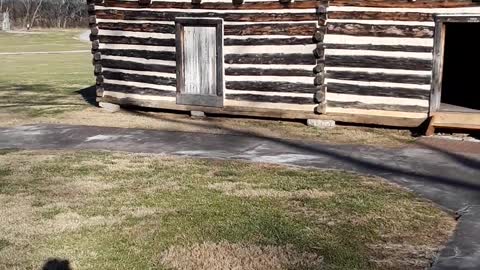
(200, 62)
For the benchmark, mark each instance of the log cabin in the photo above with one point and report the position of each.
(382, 62)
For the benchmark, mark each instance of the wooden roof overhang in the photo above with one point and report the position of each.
(146, 3)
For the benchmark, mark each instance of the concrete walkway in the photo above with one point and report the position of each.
(449, 179)
(85, 36)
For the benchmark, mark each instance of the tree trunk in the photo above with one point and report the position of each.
(27, 15)
(35, 13)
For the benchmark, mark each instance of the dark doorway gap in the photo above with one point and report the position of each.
(461, 68)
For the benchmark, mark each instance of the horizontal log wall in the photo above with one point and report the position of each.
(271, 51)
(378, 53)
(375, 58)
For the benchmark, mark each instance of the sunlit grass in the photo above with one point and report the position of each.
(34, 85)
(42, 41)
(105, 210)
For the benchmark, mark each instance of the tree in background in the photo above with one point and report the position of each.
(30, 6)
(46, 13)
(66, 12)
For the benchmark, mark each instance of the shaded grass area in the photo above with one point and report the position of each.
(103, 210)
(38, 41)
(38, 85)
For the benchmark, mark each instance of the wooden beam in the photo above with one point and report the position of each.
(454, 120)
(94, 30)
(319, 79)
(275, 113)
(280, 87)
(379, 77)
(227, 42)
(92, 20)
(319, 35)
(389, 48)
(160, 55)
(269, 59)
(252, 71)
(95, 44)
(320, 67)
(99, 80)
(120, 64)
(298, 29)
(320, 95)
(379, 107)
(380, 91)
(321, 108)
(359, 29)
(374, 15)
(218, 5)
(144, 2)
(157, 80)
(367, 61)
(97, 69)
(406, 3)
(99, 91)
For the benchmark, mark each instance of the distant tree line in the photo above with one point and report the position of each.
(46, 13)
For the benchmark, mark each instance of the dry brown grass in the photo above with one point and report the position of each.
(218, 256)
(21, 220)
(402, 256)
(103, 210)
(248, 190)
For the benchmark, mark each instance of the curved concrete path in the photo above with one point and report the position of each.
(449, 179)
(85, 36)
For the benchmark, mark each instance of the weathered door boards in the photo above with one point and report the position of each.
(194, 94)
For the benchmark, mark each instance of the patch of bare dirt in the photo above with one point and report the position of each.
(402, 256)
(21, 221)
(225, 255)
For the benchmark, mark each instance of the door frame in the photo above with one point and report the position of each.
(193, 99)
(439, 50)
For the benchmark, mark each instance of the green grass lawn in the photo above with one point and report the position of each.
(39, 41)
(103, 210)
(36, 85)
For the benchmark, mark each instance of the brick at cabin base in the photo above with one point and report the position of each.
(109, 107)
(318, 123)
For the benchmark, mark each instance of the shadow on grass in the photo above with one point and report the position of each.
(89, 94)
(351, 162)
(56, 264)
(42, 99)
(48, 96)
